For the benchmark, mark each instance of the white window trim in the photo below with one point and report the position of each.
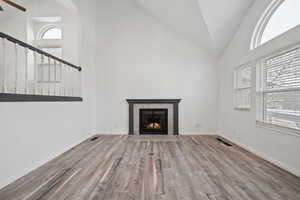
(260, 92)
(263, 22)
(236, 88)
(278, 129)
(45, 28)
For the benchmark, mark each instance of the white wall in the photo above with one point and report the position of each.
(34, 133)
(240, 126)
(139, 57)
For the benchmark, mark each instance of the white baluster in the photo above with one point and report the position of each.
(63, 75)
(79, 83)
(69, 78)
(61, 84)
(55, 78)
(72, 80)
(49, 76)
(42, 74)
(26, 70)
(16, 68)
(66, 82)
(75, 83)
(3, 65)
(35, 79)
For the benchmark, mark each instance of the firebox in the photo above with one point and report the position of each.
(154, 121)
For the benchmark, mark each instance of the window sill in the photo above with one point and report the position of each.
(5, 97)
(278, 129)
(243, 88)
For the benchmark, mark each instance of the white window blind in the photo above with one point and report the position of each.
(281, 89)
(242, 87)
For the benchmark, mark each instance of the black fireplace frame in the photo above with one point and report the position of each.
(174, 102)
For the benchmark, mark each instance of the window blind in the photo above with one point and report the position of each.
(281, 89)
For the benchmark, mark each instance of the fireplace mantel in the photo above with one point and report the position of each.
(174, 102)
(153, 101)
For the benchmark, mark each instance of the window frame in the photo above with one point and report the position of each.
(48, 43)
(46, 28)
(263, 22)
(238, 89)
(261, 91)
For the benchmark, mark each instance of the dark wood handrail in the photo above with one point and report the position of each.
(19, 42)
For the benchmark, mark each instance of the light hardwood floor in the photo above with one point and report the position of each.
(155, 167)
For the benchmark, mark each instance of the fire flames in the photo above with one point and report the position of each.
(153, 125)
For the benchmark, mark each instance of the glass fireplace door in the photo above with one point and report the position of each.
(154, 121)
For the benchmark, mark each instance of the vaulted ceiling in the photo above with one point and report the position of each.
(9, 10)
(210, 23)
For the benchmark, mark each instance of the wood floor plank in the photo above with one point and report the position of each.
(155, 168)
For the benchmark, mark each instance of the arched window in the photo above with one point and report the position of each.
(279, 17)
(52, 34)
(49, 39)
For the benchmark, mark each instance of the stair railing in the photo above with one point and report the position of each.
(27, 70)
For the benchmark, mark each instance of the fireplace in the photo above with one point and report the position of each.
(153, 116)
(154, 121)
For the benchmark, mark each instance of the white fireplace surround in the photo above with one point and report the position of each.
(136, 118)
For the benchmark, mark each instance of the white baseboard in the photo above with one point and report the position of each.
(181, 133)
(272, 160)
(196, 133)
(113, 133)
